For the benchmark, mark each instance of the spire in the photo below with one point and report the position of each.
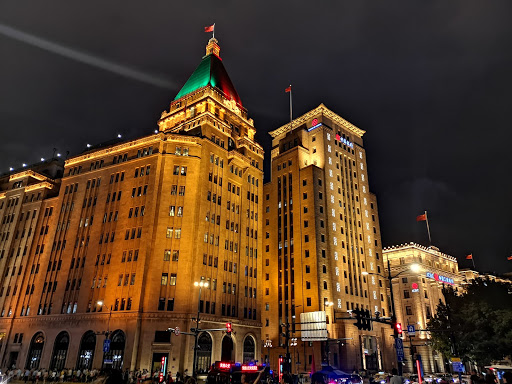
(210, 72)
(213, 47)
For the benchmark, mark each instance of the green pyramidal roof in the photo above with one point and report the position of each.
(210, 71)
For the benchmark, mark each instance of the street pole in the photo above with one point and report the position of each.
(196, 331)
(393, 315)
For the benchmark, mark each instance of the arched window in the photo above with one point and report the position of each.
(204, 353)
(114, 357)
(248, 349)
(60, 351)
(324, 269)
(86, 351)
(227, 348)
(35, 351)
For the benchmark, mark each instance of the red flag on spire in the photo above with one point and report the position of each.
(289, 89)
(509, 258)
(210, 28)
(421, 217)
(469, 257)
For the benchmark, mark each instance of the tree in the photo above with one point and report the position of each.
(476, 325)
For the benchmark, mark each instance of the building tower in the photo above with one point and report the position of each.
(417, 295)
(321, 232)
(134, 226)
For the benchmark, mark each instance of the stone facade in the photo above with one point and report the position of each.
(111, 249)
(321, 232)
(417, 295)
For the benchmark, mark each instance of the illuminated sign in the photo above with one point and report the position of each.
(344, 141)
(224, 365)
(314, 127)
(415, 287)
(314, 122)
(252, 368)
(442, 279)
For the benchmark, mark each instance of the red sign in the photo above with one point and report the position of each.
(314, 122)
(249, 367)
(338, 137)
(414, 286)
(224, 365)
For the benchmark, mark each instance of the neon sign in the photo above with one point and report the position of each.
(442, 279)
(344, 141)
(252, 368)
(224, 365)
(415, 287)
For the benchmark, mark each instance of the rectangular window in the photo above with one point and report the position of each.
(164, 279)
(173, 279)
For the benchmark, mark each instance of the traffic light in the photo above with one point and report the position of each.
(367, 320)
(359, 323)
(398, 329)
(228, 328)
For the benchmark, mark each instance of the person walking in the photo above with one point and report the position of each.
(395, 379)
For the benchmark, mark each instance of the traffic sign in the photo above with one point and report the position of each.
(457, 365)
(399, 346)
(106, 345)
(411, 330)
(177, 331)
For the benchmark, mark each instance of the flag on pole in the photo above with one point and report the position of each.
(289, 89)
(210, 28)
(509, 258)
(421, 217)
(469, 257)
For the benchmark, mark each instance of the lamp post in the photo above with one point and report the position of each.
(326, 349)
(102, 304)
(414, 268)
(268, 344)
(196, 331)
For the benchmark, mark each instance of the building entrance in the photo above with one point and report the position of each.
(227, 349)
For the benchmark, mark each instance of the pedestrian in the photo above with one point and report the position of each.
(507, 377)
(489, 377)
(317, 378)
(395, 379)
(474, 377)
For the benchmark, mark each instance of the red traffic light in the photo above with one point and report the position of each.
(228, 328)
(398, 327)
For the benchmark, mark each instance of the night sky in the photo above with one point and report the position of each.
(429, 81)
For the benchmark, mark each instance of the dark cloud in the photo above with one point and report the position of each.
(428, 81)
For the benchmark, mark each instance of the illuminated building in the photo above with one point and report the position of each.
(417, 295)
(321, 232)
(114, 253)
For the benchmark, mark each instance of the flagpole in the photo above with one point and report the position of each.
(213, 30)
(291, 108)
(473, 260)
(428, 228)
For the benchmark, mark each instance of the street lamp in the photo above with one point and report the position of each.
(268, 344)
(200, 284)
(414, 268)
(328, 304)
(101, 304)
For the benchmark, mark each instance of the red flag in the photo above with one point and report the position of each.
(210, 28)
(509, 258)
(469, 257)
(421, 217)
(289, 89)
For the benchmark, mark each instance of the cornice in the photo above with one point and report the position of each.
(413, 245)
(44, 184)
(27, 173)
(115, 148)
(321, 109)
